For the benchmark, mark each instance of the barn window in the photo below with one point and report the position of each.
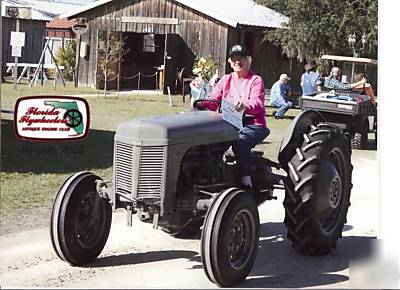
(148, 43)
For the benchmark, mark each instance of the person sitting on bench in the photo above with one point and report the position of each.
(280, 92)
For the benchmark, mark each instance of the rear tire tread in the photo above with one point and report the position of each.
(300, 198)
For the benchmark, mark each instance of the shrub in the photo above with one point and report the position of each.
(66, 57)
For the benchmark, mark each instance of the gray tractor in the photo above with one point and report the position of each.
(178, 173)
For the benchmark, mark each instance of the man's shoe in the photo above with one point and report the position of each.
(273, 113)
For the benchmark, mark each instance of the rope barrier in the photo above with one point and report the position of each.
(138, 75)
(113, 78)
(149, 75)
(129, 78)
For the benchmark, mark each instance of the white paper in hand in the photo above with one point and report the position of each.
(230, 114)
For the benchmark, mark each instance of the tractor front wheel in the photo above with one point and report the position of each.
(80, 220)
(229, 238)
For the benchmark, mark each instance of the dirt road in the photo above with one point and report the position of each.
(141, 257)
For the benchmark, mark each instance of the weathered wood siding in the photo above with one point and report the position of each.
(201, 34)
(34, 30)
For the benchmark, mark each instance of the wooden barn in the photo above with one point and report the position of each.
(168, 35)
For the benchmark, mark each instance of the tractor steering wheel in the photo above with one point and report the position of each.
(197, 104)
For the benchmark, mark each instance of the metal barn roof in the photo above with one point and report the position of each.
(45, 10)
(231, 12)
(238, 12)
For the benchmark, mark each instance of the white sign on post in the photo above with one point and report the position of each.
(230, 114)
(17, 38)
(16, 51)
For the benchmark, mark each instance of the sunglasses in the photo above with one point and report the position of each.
(237, 57)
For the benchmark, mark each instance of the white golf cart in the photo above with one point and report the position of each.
(352, 110)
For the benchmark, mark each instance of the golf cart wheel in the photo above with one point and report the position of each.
(360, 138)
(229, 238)
(80, 220)
(318, 190)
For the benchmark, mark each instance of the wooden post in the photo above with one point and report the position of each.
(138, 83)
(22, 73)
(55, 79)
(15, 72)
(169, 96)
(78, 51)
(41, 64)
(55, 62)
(162, 76)
(157, 79)
(119, 66)
(40, 61)
(79, 27)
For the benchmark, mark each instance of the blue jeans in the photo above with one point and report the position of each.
(283, 107)
(249, 136)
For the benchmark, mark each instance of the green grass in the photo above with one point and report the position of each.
(32, 172)
(9, 95)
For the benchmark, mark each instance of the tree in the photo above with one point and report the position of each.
(317, 27)
(111, 50)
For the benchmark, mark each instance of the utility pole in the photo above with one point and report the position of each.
(17, 40)
(80, 27)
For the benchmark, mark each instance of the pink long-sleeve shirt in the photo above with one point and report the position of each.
(249, 89)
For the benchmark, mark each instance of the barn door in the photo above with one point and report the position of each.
(172, 61)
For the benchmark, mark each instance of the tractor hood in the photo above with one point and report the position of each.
(197, 127)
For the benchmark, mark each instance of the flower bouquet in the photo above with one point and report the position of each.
(204, 68)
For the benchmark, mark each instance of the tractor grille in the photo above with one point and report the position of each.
(151, 168)
(123, 167)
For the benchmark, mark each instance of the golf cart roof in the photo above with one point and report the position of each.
(350, 59)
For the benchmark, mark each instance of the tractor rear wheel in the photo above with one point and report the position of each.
(80, 220)
(318, 190)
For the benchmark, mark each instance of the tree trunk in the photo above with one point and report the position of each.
(105, 85)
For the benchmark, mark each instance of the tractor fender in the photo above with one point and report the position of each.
(294, 134)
